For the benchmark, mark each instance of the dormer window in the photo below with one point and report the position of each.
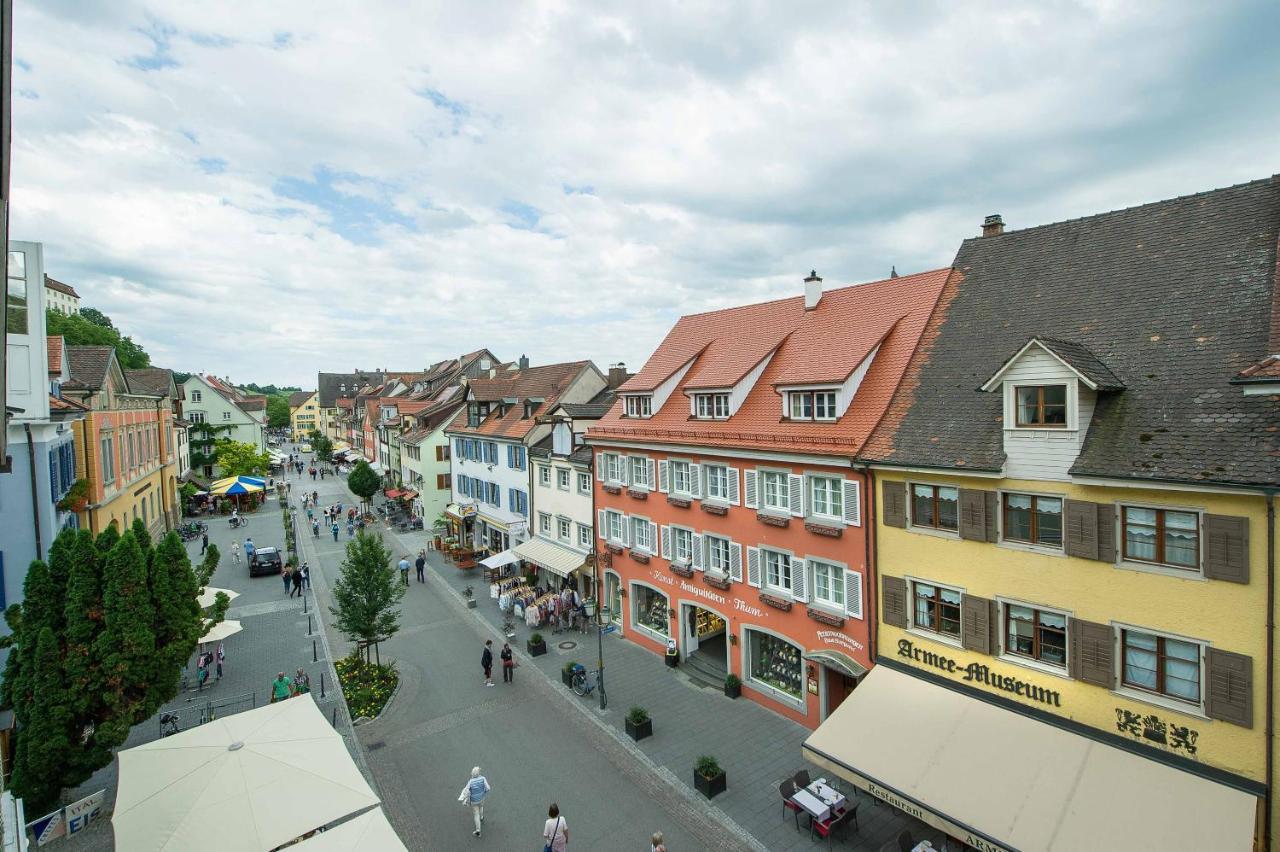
(639, 406)
(811, 405)
(1041, 406)
(711, 406)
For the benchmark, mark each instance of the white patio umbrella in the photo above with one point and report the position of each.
(369, 832)
(222, 630)
(208, 594)
(247, 782)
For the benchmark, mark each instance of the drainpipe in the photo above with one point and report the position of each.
(35, 497)
(88, 470)
(1271, 633)
(871, 556)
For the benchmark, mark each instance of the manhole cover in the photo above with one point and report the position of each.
(567, 646)
(377, 745)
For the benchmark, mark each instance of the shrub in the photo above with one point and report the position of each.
(706, 766)
(536, 638)
(731, 680)
(569, 666)
(637, 715)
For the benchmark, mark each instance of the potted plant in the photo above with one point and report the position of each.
(76, 498)
(732, 685)
(708, 777)
(566, 672)
(639, 725)
(470, 595)
(536, 645)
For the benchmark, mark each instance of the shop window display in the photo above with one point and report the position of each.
(651, 610)
(775, 662)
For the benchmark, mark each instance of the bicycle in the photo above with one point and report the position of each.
(169, 724)
(585, 681)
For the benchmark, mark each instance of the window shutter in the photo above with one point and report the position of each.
(733, 485)
(749, 482)
(1106, 533)
(664, 476)
(697, 552)
(600, 467)
(795, 493)
(666, 542)
(439, 452)
(735, 562)
(894, 605)
(602, 524)
(649, 472)
(1229, 687)
(1226, 548)
(975, 623)
(853, 502)
(624, 470)
(625, 539)
(799, 580)
(1092, 648)
(53, 475)
(852, 593)
(753, 566)
(695, 480)
(993, 512)
(653, 537)
(973, 514)
(1080, 537)
(894, 509)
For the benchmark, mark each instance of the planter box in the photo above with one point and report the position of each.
(535, 650)
(773, 520)
(471, 603)
(612, 489)
(566, 677)
(822, 529)
(679, 502)
(682, 570)
(710, 787)
(722, 583)
(673, 660)
(638, 493)
(642, 558)
(714, 508)
(775, 602)
(733, 691)
(640, 731)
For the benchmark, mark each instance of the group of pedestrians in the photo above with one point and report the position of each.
(555, 832)
(283, 687)
(420, 564)
(298, 577)
(508, 663)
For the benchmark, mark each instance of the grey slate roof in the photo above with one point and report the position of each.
(329, 384)
(88, 366)
(596, 407)
(1080, 359)
(151, 381)
(1174, 297)
(298, 397)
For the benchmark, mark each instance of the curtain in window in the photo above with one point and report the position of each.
(1140, 660)
(1140, 533)
(1182, 669)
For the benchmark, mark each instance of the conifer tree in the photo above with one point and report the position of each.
(44, 745)
(82, 668)
(127, 643)
(107, 538)
(204, 572)
(177, 626)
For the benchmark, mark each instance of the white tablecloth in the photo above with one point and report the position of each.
(819, 800)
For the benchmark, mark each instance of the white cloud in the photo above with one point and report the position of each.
(295, 188)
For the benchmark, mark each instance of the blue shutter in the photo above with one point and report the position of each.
(511, 459)
(4, 599)
(457, 446)
(512, 502)
(524, 504)
(53, 475)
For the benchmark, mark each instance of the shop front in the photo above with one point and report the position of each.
(497, 530)
(555, 566)
(461, 518)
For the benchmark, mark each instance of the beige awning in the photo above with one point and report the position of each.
(208, 596)
(841, 662)
(547, 554)
(369, 832)
(498, 560)
(221, 630)
(1009, 782)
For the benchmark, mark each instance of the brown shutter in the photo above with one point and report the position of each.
(1229, 687)
(894, 608)
(993, 510)
(1092, 652)
(1080, 529)
(973, 514)
(1226, 548)
(975, 623)
(1106, 533)
(439, 452)
(894, 510)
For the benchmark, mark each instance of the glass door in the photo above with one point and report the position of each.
(613, 589)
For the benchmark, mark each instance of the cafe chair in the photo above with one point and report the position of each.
(788, 789)
(802, 778)
(837, 823)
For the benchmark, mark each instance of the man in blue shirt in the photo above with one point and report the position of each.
(404, 569)
(473, 794)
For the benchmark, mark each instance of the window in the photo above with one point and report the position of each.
(826, 496)
(544, 476)
(641, 537)
(195, 416)
(544, 523)
(773, 486)
(614, 528)
(935, 506)
(680, 479)
(639, 466)
(108, 459)
(639, 406)
(711, 406)
(16, 296)
(936, 609)
(584, 483)
(520, 502)
(1161, 665)
(563, 528)
(777, 569)
(226, 415)
(562, 478)
(1042, 406)
(584, 536)
(196, 396)
(1162, 537)
(681, 545)
(1035, 633)
(612, 467)
(1033, 520)
(717, 554)
(828, 583)
(717, 477)
(774, 661)
(651, 610)
(811, 405)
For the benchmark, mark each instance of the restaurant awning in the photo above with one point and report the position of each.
(393, 493)
(500, 518)
(497, 560)
(842, 663)
(1006, 781)
(459, 512)
(547, 554)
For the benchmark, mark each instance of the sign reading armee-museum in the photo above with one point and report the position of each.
(979, 673)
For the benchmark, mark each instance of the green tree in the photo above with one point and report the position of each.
(82, 331)
(82, 669)
(97, 317)
(178, 620)
(240, 459)
(277, 412)
(362, 481)
(127, 643)
(107, 539)
(204, 572)
(44, 742)
(142, 534)
(322, 445)
(367, 592)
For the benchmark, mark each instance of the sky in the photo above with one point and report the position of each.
(268, 190)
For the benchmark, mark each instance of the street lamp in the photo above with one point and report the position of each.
(601, 608)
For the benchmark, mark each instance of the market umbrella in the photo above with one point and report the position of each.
(369, 832)
(249, 781)
(207, 596)
(238, 485)
(222, 630)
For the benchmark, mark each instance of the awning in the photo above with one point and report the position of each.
(408, 494)
(842, 663)
(1009, 782)
(497, 560)
(459, 513)
(393, 493)
(547, 554)
(501, 519)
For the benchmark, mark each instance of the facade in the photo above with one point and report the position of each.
(729, 510)
(492, 434)
(61, 297)
(304, 414)
(332, 387)
(425, 454)
(214, 409)
(1075, 541)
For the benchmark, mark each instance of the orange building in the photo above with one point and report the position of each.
(728, 508)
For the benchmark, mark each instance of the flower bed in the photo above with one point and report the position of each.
(365, 686)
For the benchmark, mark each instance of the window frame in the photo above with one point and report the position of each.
(1154, 696)
(837, 496)
(564, 528)
(563, 473)
(764, 504)
(837, 584)
(765, 581)
(915, 625)
(809, 403)
(1160, 511)
(708, 539)
(688, 476)
(639, 406)
(1004, 521)
(712, 401)
(612, 468)
(934, 500)
(585, 532)
(676, 533)
(544, 523)
(706, 471)
(1034, 659)
(638, 523)
(610, 515)
(584, 477)
(642, 462)
(1041, 405)
(544, 476)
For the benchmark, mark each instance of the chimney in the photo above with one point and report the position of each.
(524, 362)
(812, 290)
(993, 225)
(893, 271)
(617, 374)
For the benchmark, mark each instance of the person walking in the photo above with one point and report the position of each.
(280, 688)
(235, 551)
(301, 683)
(351, 529)
(333, 528)
(473, 794)
(285, 576)
(421, 563)
(508, 663)
(248, 549)
(486, 662)
(404, 568)
(556, 830)
(306, 576)
(204, 542)
(220, 656)
(295, 577)
(656, 844)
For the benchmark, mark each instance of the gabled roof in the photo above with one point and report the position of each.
(1175, 296)
(299, 397)
(88, 366)
(150, 381)
(1076, 357)
(54, 284)
(593, 409)
(55, 344)
(65, 406)
(1267, 370)
(546, 383)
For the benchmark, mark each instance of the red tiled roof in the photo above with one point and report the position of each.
(60, 404)
(345, 402)
(54, 284)
(546, 383)
(1266, 369)
(55, 345)
(821, 346)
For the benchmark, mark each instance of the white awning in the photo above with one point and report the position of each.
(500, 518)
(369, 832)
(497, 560)
(1008, 781)
(547, 554)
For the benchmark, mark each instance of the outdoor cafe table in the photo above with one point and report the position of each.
(818, 800)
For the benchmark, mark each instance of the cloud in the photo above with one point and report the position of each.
(293, 189)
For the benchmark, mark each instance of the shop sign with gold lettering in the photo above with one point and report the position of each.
(979, 673)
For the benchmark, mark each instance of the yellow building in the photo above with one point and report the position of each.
(1074, 541)
(303, 414)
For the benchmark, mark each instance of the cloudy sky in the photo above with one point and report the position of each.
(265, 190)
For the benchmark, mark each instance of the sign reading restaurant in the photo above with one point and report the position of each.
(979, 673)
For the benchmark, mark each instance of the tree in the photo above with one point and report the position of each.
(97, 317)
(44, 741)
(127, 643)
(82, 670)
(177, 621)
(277, 412)
(204, 573)
(322, 445)
(237, 458)
(367, 592)
(82, 331)
(362, 481)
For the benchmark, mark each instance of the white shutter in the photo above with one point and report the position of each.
(624, 469)
(753, 566)
(750, 478)
(795, 492)
(664, 476)
(602, 524)
(600, 466)
(799, 580)
(852, 503)
(648, 463)
(666, 542)
(697, 552)
(695, 480)
(853, 593)
(735, 562)
(733, 485)
(653, 538)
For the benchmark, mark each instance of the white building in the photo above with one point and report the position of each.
(61, 297)
(210, 402)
